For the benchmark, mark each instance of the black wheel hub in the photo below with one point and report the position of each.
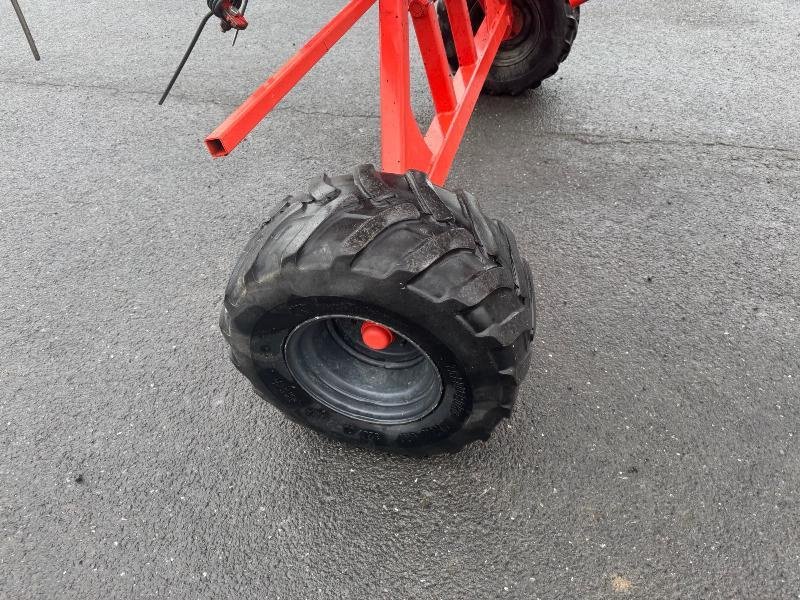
(328, 358)
(527, 32)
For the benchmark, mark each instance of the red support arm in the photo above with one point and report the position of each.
(461, 26)
(234, 129)
(434, 57)
(403, 145)
(454, 95)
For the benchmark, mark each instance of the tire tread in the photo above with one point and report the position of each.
(477, 252)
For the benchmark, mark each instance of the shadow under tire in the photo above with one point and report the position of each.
(544, 33)
(425, 264)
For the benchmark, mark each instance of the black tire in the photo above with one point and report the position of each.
(548, 29)
(393, 249)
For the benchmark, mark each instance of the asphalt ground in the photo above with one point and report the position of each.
(654, 185)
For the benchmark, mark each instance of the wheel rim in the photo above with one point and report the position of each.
(329, 360)
(527, 32)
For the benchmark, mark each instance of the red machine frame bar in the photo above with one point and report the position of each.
(242, 121)
(454, 94)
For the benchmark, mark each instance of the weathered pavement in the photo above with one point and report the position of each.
(653, 184)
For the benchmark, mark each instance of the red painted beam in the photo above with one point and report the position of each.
(403, 146)
(487, 41)
(434, 57)
(454, 96)
(461, 26)
(242, 121)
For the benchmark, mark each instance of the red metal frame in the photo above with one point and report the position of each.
(403, 145)
(454, 95)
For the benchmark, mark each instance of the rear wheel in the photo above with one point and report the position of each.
(539, 41)
(384, 311)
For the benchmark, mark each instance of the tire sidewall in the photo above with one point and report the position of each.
(273, 379)
(540, 60)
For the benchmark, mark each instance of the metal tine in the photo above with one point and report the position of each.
(185, 56)
(236, 35)
(26, 29)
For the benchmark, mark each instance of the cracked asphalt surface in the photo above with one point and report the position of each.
(654, 186)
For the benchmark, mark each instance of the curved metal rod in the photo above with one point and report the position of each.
(185, 56)
(25, 29)
(236, 36)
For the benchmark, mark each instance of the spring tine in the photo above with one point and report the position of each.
(236, 35)
(185, 57)
(25, 29)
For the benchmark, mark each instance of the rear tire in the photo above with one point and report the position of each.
(547, 29)
(424, 263)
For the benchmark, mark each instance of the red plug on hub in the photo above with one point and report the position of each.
(375, 336)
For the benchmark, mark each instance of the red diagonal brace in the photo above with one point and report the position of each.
(431, 45)
(234, 129)
(461, 26)
(454, 95)
(403, 145)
